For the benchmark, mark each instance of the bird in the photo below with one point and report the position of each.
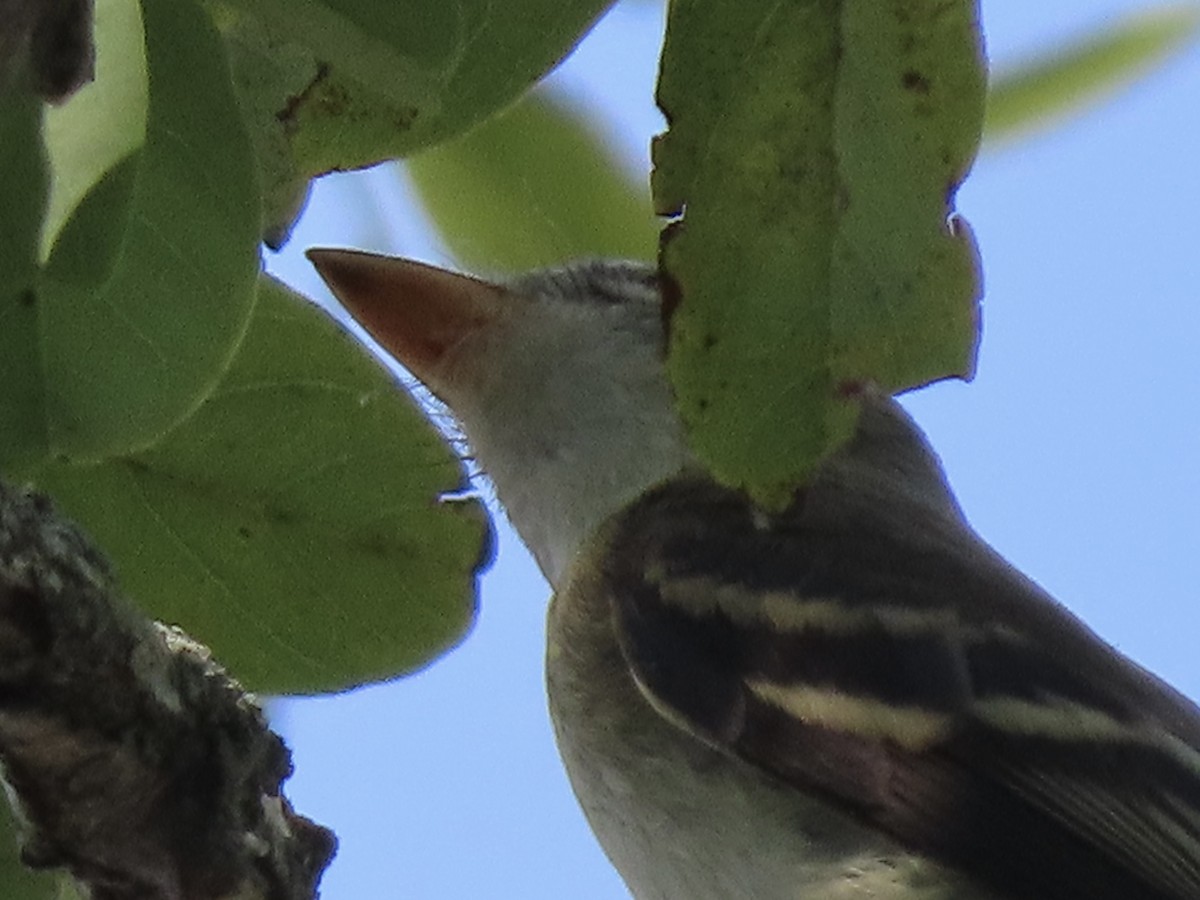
(851, 696)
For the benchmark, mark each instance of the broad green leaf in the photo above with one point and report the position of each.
(148, 287)
(105, 121)
(24, 184)
(339, 84)
(1070, 77)
(293, 523)
(813, 151)
(531, 187)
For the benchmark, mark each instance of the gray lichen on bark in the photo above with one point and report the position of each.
(132, 759)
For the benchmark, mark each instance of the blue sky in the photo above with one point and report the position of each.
(1073, 452)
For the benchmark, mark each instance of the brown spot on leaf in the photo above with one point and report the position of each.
(278, 515)
(851, 388)
(916, 82)
(404, 118)
(287, 116)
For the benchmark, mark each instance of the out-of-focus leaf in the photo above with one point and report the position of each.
(293, 523)
(813, 150)
(1070, 77)
(532, 187)
(148, 288)
(24, 184)
(338, 84)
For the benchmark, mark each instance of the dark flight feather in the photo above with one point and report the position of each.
(939, 695)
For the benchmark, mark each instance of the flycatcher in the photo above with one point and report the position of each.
(855, 697)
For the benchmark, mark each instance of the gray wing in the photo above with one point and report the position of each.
(915, 679)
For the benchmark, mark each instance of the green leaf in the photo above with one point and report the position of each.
(16, 881)
(24, 184)
(339, 84)
(105, 121)
(293, 523)
(149, 285)
(813, 151)
(532, 187)
(267, 76)
(1070, 77)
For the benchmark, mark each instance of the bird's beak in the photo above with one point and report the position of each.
(416, 312)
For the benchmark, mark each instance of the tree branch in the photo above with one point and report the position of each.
(133, 760)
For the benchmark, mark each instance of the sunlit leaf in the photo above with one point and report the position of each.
(813, 151)
(532, 187)
(1069, 78)
(294, 522)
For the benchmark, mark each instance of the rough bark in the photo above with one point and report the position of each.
(133, 760)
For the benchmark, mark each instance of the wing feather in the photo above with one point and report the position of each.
(914, 678)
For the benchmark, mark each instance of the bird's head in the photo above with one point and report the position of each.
(556, 378)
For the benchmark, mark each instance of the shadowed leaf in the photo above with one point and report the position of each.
(339, 84)
(24, 184)
(148, 286)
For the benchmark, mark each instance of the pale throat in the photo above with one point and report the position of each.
(559, 476)
(554, 529)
